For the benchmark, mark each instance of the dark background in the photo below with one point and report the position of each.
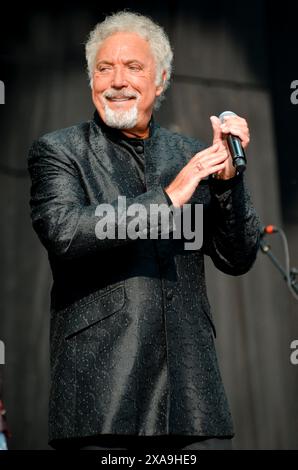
(227, 55)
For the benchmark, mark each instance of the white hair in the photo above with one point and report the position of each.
(154, 34)
(121, 119)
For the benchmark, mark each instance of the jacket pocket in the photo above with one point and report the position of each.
(91, 309)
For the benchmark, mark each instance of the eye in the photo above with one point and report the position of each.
(103, 68)
(134, 67)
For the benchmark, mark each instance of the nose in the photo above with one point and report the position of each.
(119, 80)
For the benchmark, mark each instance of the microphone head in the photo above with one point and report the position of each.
(225, 114)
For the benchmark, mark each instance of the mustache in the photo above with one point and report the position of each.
(120, 94)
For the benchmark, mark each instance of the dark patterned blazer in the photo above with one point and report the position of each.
(132, 335)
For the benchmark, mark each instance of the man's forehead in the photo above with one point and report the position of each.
(124, 44)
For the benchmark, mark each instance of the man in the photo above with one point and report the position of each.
(132, 351)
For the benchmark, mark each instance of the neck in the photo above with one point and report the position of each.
(136, 134)
(141, 130)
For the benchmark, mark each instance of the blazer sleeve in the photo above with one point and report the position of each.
(61, 217)
(231, 226)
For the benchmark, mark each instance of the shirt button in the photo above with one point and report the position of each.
(140, 148)
(169, 294)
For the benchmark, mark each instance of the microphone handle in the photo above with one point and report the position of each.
(237, 152)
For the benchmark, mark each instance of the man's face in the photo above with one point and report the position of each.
(124, 88)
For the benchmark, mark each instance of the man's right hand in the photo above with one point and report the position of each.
(202, 164)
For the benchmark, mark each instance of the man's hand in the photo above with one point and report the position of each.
(232, 125)
(209, 161)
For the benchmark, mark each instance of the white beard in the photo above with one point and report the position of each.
(121, 119)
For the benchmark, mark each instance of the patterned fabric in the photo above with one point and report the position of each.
(132, 335)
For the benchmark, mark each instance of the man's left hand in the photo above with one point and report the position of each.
(235, 125)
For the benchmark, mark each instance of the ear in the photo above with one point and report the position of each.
(159, 88)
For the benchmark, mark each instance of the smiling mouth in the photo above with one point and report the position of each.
(121, 99)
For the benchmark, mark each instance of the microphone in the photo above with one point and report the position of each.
(235, 147)
(268, 230)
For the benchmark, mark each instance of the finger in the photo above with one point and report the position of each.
(207, 151)
(227, 128)
(204, 164)
(210, 170)
(215, 122)
(234, 119)
(243, 135)
(217, 168)
(215, 157)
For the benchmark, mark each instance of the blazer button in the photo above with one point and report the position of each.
(140, 148)
(169, 295)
